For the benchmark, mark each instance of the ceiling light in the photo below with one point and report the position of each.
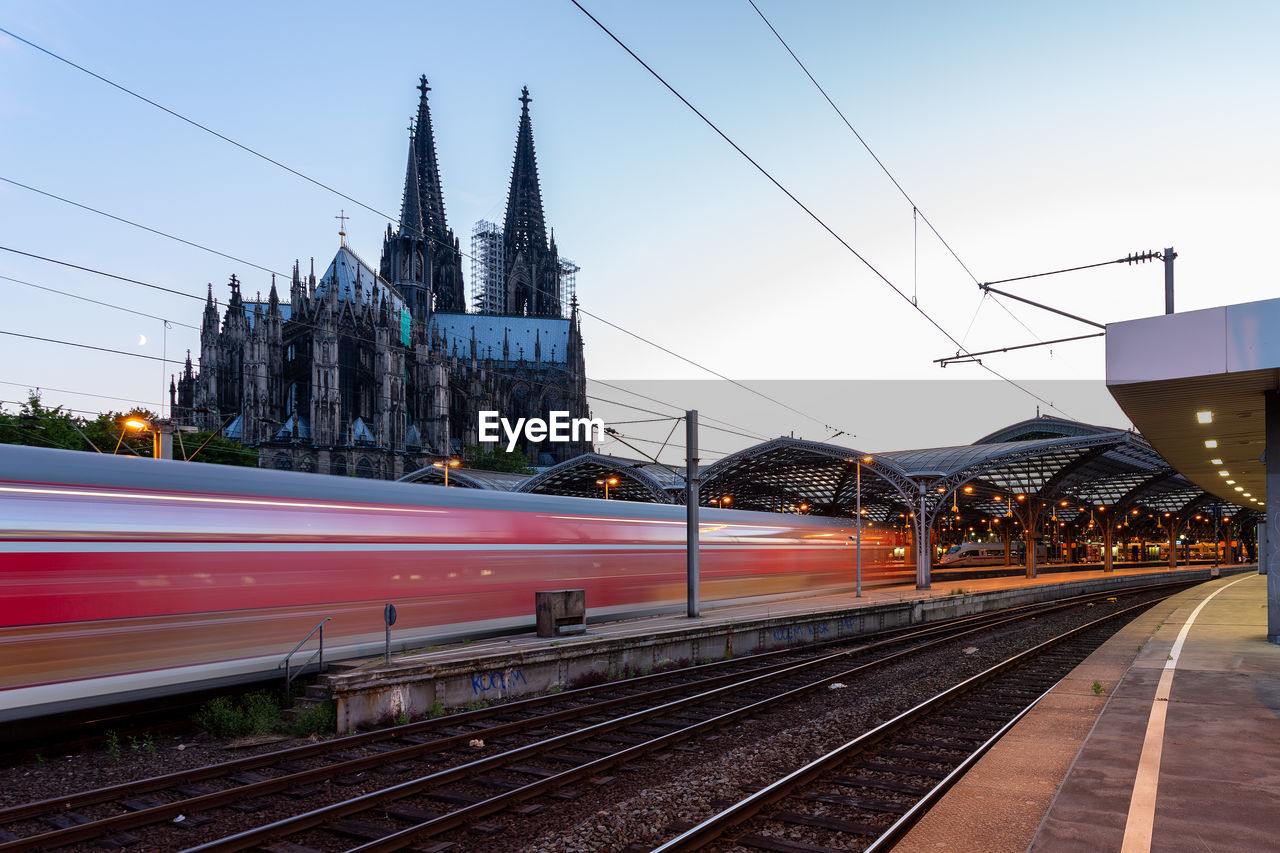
(1248, 494)
(1211, 443)
(1215, 461)
(1224, 473)
(1239, 488)
(1231, 482)
(1205, 417)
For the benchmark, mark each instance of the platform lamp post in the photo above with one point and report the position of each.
(866, 460)
(136, 424)
(445, 465)
(607, 482)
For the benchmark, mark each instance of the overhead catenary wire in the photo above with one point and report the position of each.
(194, 123)
(796, 200)
(386, 216)
(155, 231)
(916, 213)
(98, 302)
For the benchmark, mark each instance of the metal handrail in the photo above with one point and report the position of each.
(288, 678)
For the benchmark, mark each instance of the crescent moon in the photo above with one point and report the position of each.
(142, 340)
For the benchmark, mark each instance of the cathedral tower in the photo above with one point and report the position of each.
(531, 267)
(421, 258)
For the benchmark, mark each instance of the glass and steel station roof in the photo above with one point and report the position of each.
(1064, 469)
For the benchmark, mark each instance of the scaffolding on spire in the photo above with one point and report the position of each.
(488, 295)
(568, 283)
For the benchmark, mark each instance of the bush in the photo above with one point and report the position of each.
(321, 719)
(255, 714)
(220, 717)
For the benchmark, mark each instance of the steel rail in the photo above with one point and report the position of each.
(721, 684)
(714, 827)
(406, 837)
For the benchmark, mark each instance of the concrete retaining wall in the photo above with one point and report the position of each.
(372, 695)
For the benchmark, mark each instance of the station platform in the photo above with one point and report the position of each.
(1167, 738)
(501, 668)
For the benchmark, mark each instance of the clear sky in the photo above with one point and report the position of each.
(1033, 136)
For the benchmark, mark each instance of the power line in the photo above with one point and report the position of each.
(854, 131)
(138, 225)
(87, 346)
(96, 302)
(915, 209)
(33, 387)
(197, 124)
(817, 219)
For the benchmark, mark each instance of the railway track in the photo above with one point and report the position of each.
(867, 793)
(414, 785)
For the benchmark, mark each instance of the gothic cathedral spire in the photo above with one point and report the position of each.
(531, 266)
(430, 195)
(421, 259)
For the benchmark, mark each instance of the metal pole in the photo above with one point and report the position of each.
(1169, 255)
(1268, 563)
(859, 545)
(1217, 538)
(691, 507)
(921, 529)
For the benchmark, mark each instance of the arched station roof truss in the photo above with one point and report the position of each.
(1031, 474)
(581, 477)
(466, 478)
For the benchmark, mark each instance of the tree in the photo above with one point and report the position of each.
(482, 459)
(36, 425)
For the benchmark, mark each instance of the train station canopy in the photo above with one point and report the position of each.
(1205, 387)
(1195, 383)
(588, 475)
(1066, 469)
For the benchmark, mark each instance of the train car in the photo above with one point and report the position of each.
(985, 554)
(974, 554)
(123, 577)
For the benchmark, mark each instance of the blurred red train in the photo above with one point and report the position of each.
(122, 578)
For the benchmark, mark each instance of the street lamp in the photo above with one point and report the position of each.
(136, 424)
(607, 482)
(445, 465)
(722, 500)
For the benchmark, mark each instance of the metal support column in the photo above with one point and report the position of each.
(691, 507)
(1217, 538)
(924, 560)
(1264, 546)
(1169, 255)
(1029, 536)
(1106, 546)
(1272, 454)
(1173, 543)
(858, 515)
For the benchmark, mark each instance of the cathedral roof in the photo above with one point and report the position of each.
(520, 335)
(343, 272)
(286, 429)
(285, 309)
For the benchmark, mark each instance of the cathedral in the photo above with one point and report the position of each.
(377, 373)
